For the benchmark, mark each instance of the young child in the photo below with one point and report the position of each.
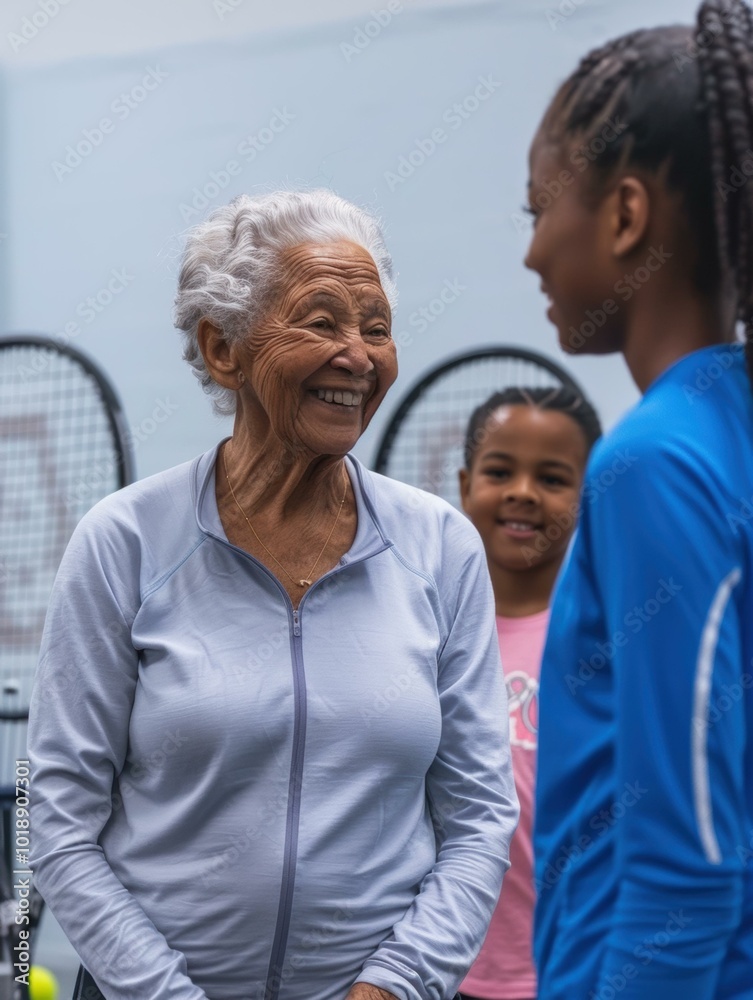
(525, 454)
(644, 802)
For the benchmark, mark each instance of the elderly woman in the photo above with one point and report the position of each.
(269, 755)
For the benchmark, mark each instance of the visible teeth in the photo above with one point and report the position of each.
(344, 398)
(519, 526)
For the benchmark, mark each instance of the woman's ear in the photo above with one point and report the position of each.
(629, 212)
(219, 356)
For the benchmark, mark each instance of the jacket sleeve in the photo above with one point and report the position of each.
(470, 791)
(669, 566)
(78, 736)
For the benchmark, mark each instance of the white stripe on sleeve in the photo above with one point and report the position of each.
(700, 724)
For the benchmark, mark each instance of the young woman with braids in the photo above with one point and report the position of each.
(644, 808)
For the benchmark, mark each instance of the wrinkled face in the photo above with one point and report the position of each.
(570, 251)
(321, 359)
(523, 486)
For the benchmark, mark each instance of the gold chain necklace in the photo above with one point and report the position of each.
(299, 583)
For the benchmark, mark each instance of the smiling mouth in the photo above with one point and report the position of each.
(547, 294)
(519, 527)
(339, 397)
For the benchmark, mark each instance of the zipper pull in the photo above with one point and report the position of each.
(296, 623)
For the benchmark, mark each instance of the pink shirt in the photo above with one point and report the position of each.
(504, 969)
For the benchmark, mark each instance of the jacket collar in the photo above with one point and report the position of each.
(370, 535)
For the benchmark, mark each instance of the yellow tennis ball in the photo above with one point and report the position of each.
(42, 984)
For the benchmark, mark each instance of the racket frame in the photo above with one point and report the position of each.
(113, 406)
(459, 361)
(125, 474)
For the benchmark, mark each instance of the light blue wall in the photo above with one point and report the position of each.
(353, 114)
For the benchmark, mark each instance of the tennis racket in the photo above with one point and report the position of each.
(423, 442)
(63, 447)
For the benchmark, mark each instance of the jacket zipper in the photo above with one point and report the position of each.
(279, 943)
(282, 927)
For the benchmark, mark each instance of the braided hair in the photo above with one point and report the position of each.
(684, 100)
(562, 400)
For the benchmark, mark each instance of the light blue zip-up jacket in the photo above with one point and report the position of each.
(236, 801)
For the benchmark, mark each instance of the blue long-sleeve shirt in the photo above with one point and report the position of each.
(236, 801)
(644, 813)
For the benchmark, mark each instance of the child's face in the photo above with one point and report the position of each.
(522, 489)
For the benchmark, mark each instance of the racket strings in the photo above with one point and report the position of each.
(57, 458)
(427, 449)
